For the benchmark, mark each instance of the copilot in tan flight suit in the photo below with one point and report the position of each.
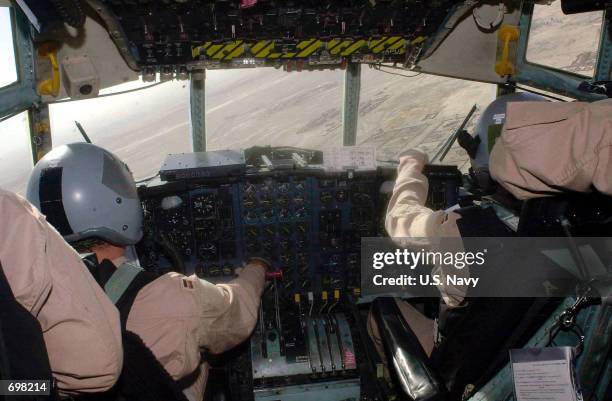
(90, 195)
(545, 148)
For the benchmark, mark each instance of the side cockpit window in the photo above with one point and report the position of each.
(564, 42)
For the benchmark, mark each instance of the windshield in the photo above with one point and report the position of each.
(140, 127)
(272, 107)
(267, 106)
(262, 107)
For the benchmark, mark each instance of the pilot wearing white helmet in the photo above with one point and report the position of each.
(89, 195)
(49, 280)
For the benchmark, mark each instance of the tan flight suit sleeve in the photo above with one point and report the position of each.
(408, 217)
(80, 325)
(548, 148)
(177, 317)
(233, 310)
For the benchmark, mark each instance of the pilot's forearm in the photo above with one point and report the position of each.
(407, 215)
(238, 303)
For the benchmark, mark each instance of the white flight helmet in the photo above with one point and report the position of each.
(488, 129)
(87, 192)
(491, 121)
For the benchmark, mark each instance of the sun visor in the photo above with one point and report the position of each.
(466, 46)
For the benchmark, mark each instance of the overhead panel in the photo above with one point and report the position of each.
(390, 47)
(171, 37)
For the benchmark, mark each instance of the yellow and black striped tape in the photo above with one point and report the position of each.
(266, 49)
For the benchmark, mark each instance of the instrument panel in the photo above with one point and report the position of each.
(308, 224)
(310, 341)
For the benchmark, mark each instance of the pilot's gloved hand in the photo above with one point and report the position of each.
(417, 154)
(256, 262)
(261, 262)
(270, 271)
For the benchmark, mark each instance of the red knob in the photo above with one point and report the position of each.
(271, 275)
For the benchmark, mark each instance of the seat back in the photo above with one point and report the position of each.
(23, 354)
(411, 367)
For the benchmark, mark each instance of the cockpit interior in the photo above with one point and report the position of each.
(307, 209)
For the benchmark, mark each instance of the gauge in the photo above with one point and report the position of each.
(283, 188)
(214, 270)
(285, 258)
(249, 204)
(205, 205)
(299, 186)
(300, 212)
(270, 231)
(265, 202)
(268, 245)
(250, 216)
(326, 197)
(207, 251)
(283, 200)
(267, 214)
(250, 190)
(284, 214)
(252, 246)
(285, 230)
(206, 230)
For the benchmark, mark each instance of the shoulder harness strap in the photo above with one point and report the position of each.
(143, 378)
(121, 279)
(123, 287)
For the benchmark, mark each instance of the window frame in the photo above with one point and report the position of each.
(555, 80)
(557, 69)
